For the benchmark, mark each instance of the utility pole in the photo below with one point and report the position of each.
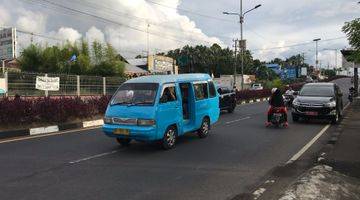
(241, 45)
(317, 58)
(3, 66)
(148, 40)
(235, 61)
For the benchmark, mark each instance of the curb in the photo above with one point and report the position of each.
(49, 129)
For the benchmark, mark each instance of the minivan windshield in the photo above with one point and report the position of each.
(135, 94)
(317, 91)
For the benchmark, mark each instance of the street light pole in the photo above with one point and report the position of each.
(316, 60)
(241, 45)
(241, 42)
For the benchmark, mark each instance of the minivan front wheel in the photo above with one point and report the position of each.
(204, 129)
(169, 139)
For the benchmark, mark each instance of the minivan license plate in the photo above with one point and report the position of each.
(312, 113)
(120, 131)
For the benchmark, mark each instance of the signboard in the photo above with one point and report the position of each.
(47, 83)
(224, 81)
(303, 71)
(3, 86)
(7, 44)
(162, 65)
(242, 44)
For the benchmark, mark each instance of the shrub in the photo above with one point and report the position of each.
(26, 111)
(252, 94)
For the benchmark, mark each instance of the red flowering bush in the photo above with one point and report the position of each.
(51, 110)
(252, 94)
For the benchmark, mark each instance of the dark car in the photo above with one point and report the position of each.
(318, 100)
(227, 99)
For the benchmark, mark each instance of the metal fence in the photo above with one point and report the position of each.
(23, 84)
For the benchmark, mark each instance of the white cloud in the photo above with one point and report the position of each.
(4, 16)
(69, 34)
(31, 21)
(95, 34)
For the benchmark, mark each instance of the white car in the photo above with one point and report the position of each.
(256, 86)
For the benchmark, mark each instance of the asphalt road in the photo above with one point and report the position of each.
(88, 165)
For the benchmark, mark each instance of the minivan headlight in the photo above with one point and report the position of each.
(108, 120)
(145, 122)
(296, 102)
(331, 104)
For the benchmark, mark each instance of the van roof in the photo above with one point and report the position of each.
(161, 79)
(320, 84)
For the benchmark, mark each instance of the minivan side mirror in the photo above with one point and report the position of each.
(219, 90)
(296, 93)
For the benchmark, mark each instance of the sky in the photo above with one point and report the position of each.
(136, 26)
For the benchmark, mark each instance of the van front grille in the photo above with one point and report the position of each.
(124, 121)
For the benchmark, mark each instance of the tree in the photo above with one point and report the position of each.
(100, 59)
(352, 31)
(31, 58)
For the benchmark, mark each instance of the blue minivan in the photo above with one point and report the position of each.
(161, 108)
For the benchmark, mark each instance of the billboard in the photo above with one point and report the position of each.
(7, 44)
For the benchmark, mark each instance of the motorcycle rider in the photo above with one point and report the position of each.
(289, 91)
(276, 101)
(351, 93)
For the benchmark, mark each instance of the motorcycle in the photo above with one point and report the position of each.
(288, 99)
(278, 117)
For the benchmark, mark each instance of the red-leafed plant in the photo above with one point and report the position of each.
(22, 111)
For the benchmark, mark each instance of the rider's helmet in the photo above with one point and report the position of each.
(273, 90)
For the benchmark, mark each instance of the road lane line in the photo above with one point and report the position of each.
(308, 145)
(46, 135)
(237, 120)
(92, 157)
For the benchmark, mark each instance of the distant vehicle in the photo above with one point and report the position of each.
(318, 100)
(256, 86)
(227, 99)
(161, 108)
(309, 80)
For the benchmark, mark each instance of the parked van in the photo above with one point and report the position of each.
(161, 108)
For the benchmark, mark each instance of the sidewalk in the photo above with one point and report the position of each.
(345, 157)
(337, 174)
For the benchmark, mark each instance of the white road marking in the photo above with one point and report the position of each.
(92, 157)
(45, 135)
(308, 145)
(44, 130)
(237, 120)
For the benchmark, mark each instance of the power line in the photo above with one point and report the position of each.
(141, 19)
(298, 44)
(59, 39)
(105, 20)
(190, 12)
